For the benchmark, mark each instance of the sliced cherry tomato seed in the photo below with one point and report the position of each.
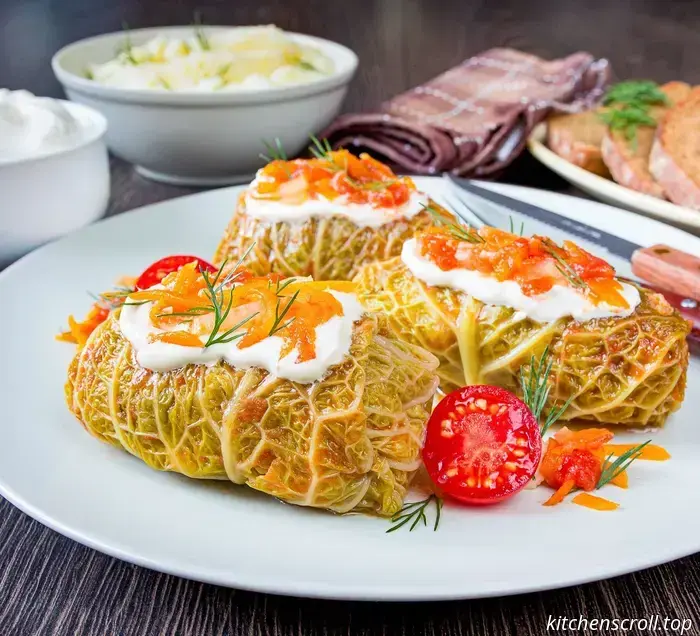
(482, 445)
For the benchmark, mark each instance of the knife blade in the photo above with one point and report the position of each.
(614, 244)
(673, 273)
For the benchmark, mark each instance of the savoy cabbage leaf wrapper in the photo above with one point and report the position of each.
(348, 442)
(629, 371)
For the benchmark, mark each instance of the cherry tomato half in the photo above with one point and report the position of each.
(483, 444)
(156, 272)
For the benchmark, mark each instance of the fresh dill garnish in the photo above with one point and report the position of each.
(628, 119)
(126, 48)
(276, 152)
(278, 325)
(613, 469)
(456, 229)
(219, 305)
(223, 70)
(216, 296)
(88, 74)
(199, 32)
(563, 266)
(164, 83)
(279, 288)
(115, 298)
(635, 93)
(415, 512)
(322, 150)
(307, 66)
(512, 226)
(535, 387)
(193, 312)
(629, 106)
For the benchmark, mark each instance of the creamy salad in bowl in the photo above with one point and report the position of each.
(235, 59)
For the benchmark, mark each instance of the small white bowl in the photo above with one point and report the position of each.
(198, 138)
(46, 196)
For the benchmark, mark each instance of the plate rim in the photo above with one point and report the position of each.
(659, 209)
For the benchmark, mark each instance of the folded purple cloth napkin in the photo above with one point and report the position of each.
(474, 119)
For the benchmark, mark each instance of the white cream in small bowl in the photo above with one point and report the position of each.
(54, 170)
(178, 123)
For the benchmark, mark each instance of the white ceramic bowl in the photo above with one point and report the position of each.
(200, 138)
(49, 195)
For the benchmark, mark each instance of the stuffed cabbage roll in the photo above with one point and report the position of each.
(323, 217)
(485, 302)
(288, 387)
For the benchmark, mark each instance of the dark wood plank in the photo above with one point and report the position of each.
(52, 585)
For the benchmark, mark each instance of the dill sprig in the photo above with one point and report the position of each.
(415, 512)
(216, 295)
(127, 47)
(613, 469)
(280, 314)
(535, 387)
(635, 93)
(322, 150)
(565, 268)
(512, 226)
(219, 305)
(275, 152)
(115, 298)
(307, 66)
(630, 102)
(223, 70)
(199, 32)
(456, 229)
(628, 119)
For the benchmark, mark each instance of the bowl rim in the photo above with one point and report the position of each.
(72, 81)
(97, 130)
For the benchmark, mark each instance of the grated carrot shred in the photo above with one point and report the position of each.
(561, 493)
(595, 503)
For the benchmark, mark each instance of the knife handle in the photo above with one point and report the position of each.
(669, 269)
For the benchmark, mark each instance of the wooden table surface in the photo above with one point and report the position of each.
(51, 585)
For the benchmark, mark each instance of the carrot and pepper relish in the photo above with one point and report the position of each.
(536, 263)
(338, 173)
(182, 306)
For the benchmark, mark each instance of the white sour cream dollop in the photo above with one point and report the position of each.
(361, 214)
(556, 303)
(34, 126)
(333, 340)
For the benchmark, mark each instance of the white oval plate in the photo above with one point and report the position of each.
(609, 191)
(224, 534)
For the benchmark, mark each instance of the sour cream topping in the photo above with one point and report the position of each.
(361, 214)
(556, 303)
(33, 126)
(333, 340)
(237, 59)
